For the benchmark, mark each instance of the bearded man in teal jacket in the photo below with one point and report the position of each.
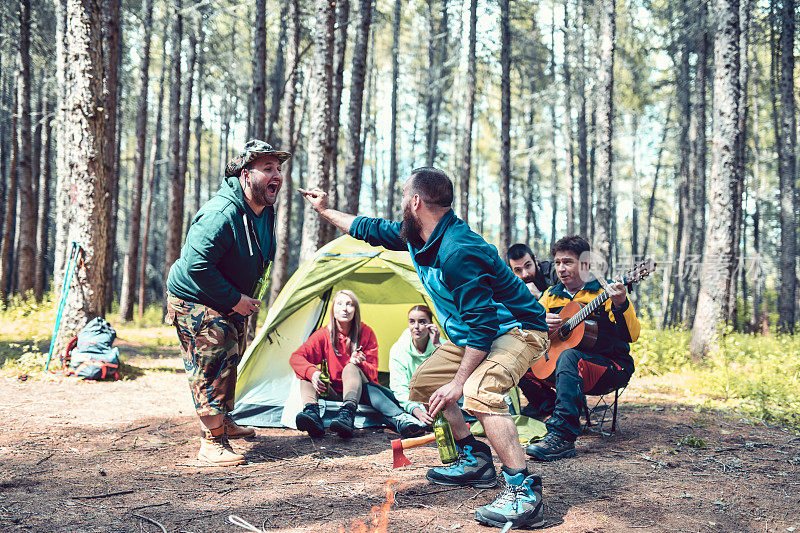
(217, 282)
(496, 332)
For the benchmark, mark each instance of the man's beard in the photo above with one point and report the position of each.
(411, 229)
(260, 194)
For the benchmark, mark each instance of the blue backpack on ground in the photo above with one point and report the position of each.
(93, 356)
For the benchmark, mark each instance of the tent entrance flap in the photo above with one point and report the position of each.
(387, 286)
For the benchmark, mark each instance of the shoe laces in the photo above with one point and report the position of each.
(510, 494)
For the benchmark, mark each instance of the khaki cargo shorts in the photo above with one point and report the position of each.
(512, 354)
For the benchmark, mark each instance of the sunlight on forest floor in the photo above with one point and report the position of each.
(756, 376)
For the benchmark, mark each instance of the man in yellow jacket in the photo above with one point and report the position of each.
(607, 366)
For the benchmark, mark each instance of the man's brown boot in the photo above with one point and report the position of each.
(235, 431)
(216, 450)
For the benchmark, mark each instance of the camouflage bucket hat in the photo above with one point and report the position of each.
(253, 149)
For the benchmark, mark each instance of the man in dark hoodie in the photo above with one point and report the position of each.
(496, 331)
(217, 282)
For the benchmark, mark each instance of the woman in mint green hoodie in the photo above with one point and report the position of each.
(415, 345)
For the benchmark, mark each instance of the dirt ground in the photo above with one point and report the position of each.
(121, 456)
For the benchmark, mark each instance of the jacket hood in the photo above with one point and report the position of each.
(231, 189)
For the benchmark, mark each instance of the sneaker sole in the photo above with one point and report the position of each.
(341, 430)
(477, 484)
(535, 523)
(566, 454)
(309, 427)
(241, 435)
(221, 463)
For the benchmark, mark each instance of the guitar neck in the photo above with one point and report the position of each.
(587, 310)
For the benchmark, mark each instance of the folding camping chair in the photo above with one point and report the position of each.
(597, 416)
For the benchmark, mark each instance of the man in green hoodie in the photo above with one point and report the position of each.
(217, 282)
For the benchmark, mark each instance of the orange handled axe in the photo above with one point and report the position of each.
(398, 445)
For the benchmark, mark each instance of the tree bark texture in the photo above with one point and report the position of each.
(466, 165)
(315, 231)
(62, 211)
(9, 229)
(788, 173)
(84, 146)
(284, 203)
(505, 127)
(27, 205)
(697, 173)
(43, 213)
(277, 80)
(337, 84)
(155, 152)
(353, 163)
(605, 134)
(715, 275)
(584, 198)
(176, 178)
(186, 123)
(135, 215)
(259, 92)
(398, 15)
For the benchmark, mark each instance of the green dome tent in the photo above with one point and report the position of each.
(267, 391)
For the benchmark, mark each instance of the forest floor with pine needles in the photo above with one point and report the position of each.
(102, 456)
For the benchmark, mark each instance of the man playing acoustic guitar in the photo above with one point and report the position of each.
(604, 367)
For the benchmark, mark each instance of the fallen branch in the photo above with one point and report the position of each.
(149, 505)
(105, 495)
(134, 429)
(40, 461)
(151, 521)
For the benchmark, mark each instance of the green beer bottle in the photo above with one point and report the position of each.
(325, 377)
(444, 439)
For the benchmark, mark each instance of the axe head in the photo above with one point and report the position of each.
(398, 458)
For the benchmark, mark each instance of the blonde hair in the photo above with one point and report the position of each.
(355, 325)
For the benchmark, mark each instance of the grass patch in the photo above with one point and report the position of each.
(27, 327)
(759, 376)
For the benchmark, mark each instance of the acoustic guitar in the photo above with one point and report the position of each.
(578, 332)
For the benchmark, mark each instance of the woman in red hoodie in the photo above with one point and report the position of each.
(350, 350)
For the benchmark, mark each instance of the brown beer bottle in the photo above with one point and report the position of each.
(444, 439)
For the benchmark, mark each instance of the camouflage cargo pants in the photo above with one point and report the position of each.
(212, 346)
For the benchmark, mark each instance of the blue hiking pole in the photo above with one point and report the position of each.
(73, 256)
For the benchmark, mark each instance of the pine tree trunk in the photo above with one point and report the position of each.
(315, 232)
(277, 80)
(134, 220)
(27, 228)
(186, 123)
(715, 275)
(685, 204)
(353, 163)
(553, 129)
(466, 167)
(568, 131)
(758, 316)
(259, 92)
(583, 177)
(111, 58)
(697, 172)
(437, 57)
(84, 146)
(787, 142)
(337, 84)
(198, 119)
(284, 205)
(6, 248)
(605, 134)
(398, 15)
(176, 178)
(40, 276)
(732, 311)
(505, 127)
(62, 211)
(155, 153)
